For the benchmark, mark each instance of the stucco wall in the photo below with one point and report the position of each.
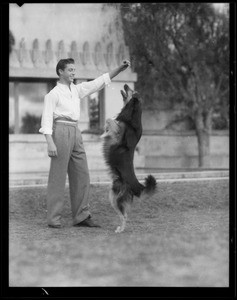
(28, 153)
(169, 149)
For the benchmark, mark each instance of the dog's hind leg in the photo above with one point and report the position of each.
(113, 200)
(120, 203)
(123, 219)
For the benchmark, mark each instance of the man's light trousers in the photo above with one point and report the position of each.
(71, 159)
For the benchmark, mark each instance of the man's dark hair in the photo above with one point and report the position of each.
(61, 65)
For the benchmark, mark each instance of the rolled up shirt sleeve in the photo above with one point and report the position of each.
(50, 101)
(86, 88)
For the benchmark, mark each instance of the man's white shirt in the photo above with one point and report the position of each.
(64, 102)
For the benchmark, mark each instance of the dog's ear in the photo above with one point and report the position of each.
(126, 87)
(123, 94)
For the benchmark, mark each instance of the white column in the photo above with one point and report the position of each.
(84, 121)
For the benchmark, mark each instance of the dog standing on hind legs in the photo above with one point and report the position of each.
(119, 142)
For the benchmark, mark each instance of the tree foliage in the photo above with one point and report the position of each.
(180, 52)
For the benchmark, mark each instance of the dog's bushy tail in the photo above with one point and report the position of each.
(150, 185)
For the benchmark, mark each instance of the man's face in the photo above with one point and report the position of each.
(68, 74)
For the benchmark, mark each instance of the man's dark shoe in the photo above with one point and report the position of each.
(87, 223)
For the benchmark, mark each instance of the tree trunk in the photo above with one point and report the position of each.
(203, 148)
(203, 124)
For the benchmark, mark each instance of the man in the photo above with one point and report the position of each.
(65, 146)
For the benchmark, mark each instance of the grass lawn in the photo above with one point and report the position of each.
(179, 237)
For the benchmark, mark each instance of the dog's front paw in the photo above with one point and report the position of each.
(119, 229)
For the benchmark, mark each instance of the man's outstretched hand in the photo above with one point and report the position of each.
(125, 65)
(115, 72)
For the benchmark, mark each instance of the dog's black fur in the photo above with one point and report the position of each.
(120, 139)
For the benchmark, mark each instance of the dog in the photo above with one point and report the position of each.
(120, 138)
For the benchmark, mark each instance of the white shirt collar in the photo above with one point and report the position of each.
(64, 86)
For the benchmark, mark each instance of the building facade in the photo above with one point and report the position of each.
(45, 33)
